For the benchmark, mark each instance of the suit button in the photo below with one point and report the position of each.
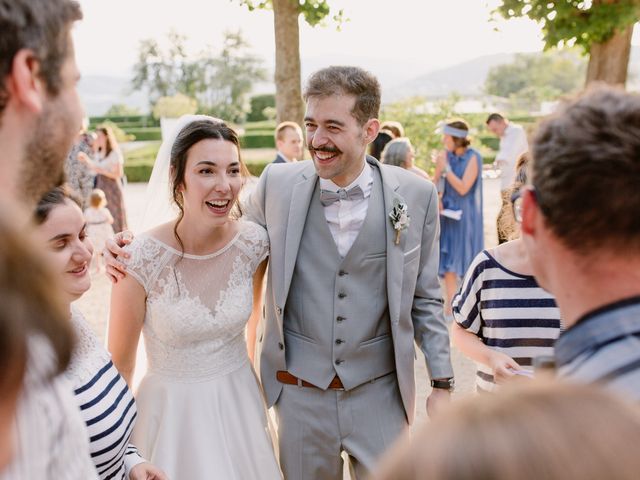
(342, 273)
(340, 319)
(278, 310)
(280, 345)
(338, 362)
(339, 341)
(342, 295)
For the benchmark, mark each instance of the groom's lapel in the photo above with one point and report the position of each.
(395, 253)
(298, 209)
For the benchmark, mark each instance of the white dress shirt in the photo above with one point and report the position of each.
(345, 217)
(512, 144)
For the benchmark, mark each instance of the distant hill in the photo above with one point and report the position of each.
(468, 78)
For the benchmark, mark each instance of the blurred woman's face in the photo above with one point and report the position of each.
(68, 248)
(447, 141)
(101, 140)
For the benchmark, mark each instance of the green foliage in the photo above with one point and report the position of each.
(532, 78)
(258, 104)
(121, 110)
(574, 22)
(219, 81)
(314, 11)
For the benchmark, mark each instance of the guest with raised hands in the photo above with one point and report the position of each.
(109, 168)
(503, 319)
(103, 397)
(461, 230)
(193, 286)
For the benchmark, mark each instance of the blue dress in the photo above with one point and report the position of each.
(461, 240)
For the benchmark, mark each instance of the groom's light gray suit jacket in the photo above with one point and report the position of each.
(356, 316)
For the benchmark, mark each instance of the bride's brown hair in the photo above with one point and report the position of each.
(191, 134)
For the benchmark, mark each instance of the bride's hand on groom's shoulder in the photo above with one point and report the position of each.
(146, 471)
(112, 249)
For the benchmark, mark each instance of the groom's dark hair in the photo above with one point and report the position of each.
(347, 81)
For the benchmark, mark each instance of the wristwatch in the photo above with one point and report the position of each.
(443, 383)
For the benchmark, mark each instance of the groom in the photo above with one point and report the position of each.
(348, 290)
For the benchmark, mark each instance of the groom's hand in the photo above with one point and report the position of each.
(438, 400)
(112, 249)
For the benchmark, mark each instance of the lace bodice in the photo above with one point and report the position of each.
(197, 305)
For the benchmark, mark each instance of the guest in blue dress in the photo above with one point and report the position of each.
(459, 177)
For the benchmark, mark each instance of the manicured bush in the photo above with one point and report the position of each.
(259, 140)
(258, 104)
(269, 125)
(145, 134)
(143, 120)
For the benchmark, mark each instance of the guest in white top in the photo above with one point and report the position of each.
(513, 143)
(105, 401)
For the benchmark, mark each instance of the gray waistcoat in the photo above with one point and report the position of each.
(336, 318)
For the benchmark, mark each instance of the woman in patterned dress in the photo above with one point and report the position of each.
(106, 403)
(109, 169)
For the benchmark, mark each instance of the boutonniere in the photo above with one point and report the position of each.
(399, 218)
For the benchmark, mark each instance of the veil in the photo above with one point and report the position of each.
(158, 205)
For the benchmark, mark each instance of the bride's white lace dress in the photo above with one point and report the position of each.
(201, 413)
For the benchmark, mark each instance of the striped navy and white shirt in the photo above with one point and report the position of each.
(604, 347)
(508, 311)
(106, 404)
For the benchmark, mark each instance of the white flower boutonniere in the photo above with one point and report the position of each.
(399, 218)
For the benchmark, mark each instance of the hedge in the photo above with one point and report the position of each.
(490, 141)
(144, 120)
(260, 140)
(145, 134)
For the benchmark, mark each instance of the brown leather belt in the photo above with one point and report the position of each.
(288, 379)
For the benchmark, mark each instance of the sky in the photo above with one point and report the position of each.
(413, 36)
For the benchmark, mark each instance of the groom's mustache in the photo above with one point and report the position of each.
(325, 149)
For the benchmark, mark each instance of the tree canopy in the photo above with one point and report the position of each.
(537, 77)
(313, 11)
(574, 22)
(220, 81)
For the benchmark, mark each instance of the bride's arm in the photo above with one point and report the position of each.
(256, 312)
(128, 307)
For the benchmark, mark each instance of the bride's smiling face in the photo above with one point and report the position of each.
(68, 248)
(212, 180)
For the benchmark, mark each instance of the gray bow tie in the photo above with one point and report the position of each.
(327, 197)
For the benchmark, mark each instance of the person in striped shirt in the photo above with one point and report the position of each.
(581, 228)
(106, 404)
(503, 319)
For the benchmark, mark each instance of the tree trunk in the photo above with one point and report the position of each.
(609, 61)
(289, 105)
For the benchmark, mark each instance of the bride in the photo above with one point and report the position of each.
(193, 283)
